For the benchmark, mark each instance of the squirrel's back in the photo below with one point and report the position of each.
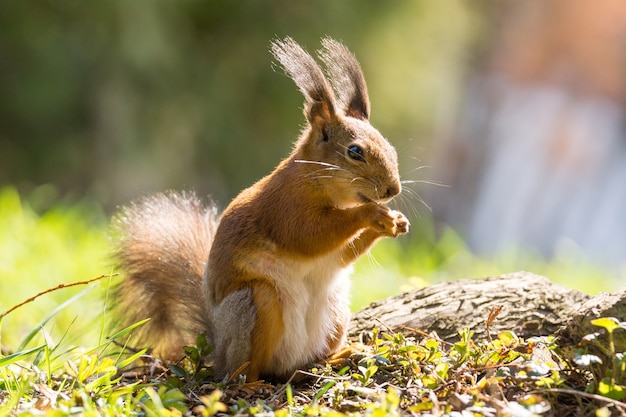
(162, 244)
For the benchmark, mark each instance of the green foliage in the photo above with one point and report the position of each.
(20, 355)
(609, 379)
(397, 374)
(193, 370)
(63, 244)
(86, 382)
(118, 97)
(211, 404)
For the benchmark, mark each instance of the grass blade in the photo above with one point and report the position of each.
(49, 317)
(7, 360)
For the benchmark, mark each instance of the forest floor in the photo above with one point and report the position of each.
(389, 374)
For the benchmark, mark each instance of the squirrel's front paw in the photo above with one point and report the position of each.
(391, 222)
(401, 223)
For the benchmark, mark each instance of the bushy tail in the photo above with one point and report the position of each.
(162, 244)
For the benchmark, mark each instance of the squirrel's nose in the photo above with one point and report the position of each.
(392, 191)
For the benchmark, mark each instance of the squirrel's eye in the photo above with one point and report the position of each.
(356, 153)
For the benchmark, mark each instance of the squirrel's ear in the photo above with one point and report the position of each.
(347, 79)
(309, 77)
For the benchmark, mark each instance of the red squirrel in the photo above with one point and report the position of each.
(268, 280)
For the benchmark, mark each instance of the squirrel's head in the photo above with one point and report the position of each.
(339, 150)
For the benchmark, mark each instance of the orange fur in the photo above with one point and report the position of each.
(268, 330)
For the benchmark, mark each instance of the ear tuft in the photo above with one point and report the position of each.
(346, 78)
(309, 77)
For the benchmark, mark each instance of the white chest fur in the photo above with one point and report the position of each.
(314, 297)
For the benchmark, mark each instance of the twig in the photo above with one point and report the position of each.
(587, 395)
(492, 316)
(423, 333)
(371, 316)
(322, 377)
(238, 371)
(58, 287)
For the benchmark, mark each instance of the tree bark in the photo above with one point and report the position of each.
(531, 306)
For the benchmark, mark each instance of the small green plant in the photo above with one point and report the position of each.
(211, 404)
(366, 370)
(193, 370)
(609, 380)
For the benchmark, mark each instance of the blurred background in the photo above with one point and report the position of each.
(509, 119)
(120, 98)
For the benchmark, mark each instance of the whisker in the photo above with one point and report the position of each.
(326, 164)
(324, 173)
(419, 198)
(430, 182)
(337, 174)
(323, 170)
(419, 168)
(373, 262)
(319, 177)
(359, 177)
(408, 206)
(406, 200)
(336, 170)
(326, 167)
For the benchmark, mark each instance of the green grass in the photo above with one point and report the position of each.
(58, 359)
(38, 251)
